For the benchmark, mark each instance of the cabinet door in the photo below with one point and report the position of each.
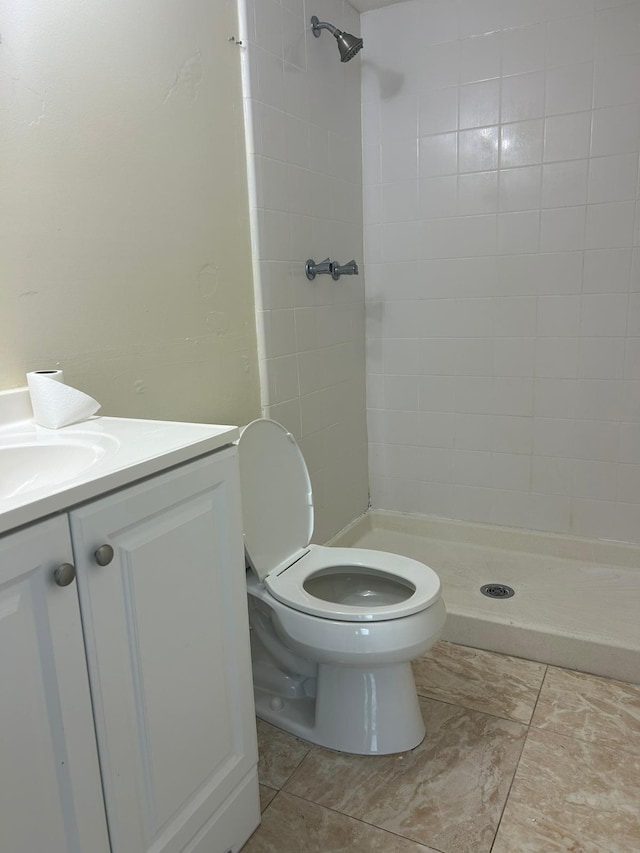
(50, 793)
(167, 642)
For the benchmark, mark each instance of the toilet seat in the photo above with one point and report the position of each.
(288, 585)
(278, 524)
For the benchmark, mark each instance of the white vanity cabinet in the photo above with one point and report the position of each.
(160, 579)
(50, 794)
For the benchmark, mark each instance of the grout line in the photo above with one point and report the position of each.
(513, 778)
(364, 822)
(471, 708)
(535, 704)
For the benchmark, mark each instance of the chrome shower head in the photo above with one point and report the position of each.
(348, 45)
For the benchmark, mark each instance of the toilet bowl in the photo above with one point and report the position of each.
(333, 630)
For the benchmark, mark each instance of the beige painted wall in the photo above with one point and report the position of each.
(124, 232)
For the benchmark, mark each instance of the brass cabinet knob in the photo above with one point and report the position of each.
(104, 555)
(64, 574)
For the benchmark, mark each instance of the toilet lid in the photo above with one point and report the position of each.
(277, 502)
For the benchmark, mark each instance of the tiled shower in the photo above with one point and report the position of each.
(502, 246)
(499, 150)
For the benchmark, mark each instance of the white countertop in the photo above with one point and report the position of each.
(125, 449)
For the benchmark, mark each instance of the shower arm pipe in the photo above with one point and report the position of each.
(317, 25)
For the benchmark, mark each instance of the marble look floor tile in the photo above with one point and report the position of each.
(292, 825)
(266, 795)
(591, 708)
(573, 796)
(485, 681)
(279, 754)
(447, 793)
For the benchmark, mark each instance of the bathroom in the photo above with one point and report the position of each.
(131, 232)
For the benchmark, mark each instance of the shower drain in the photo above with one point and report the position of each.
(497, 590)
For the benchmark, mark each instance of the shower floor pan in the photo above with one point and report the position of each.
(576, 602)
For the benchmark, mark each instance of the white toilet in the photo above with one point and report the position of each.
(333, 630)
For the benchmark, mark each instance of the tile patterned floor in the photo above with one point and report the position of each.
(518, 758)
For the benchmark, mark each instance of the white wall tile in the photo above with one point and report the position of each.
(400, 201)
(474, 236)
(595, 480)
(515, 316)
(511, 471)
(550, 512)
(567, 137)
(553, 437)
(596, 440)
(480, 58)
(632, 359)
(477, 193)
(435, 394)
(512, 396)
(635, 265)
(613, 178)
(562, 229)
(437, 197)
(513, 356)
(556, 357)
(401, 392)
(570, 40)
(473, 467)
(479, 104)
(617, 81)
(554, 398)
(601, 358)
(617, 31)
(439, 66)
(616, 130)
(523, 49)
(479, 16)
(437, 154)
(518, 233)
(565, 184)
(607, 271)
(560, 272)
(512, 434)
(633, 316)
(399, 158)
(567, 8)
(522, 96)
(558, 316)
(609, 226)
(438, 110)
(521, 143)
(518, 13)
(569, 88)
(629, 483)
(599, 399)
(604, 315)
(520, 189)
(478, 149)
(435, 429)
(631, 401)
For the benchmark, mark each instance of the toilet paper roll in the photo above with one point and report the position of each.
(55, 404)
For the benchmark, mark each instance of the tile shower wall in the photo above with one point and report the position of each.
(502, 248)
(302, 111)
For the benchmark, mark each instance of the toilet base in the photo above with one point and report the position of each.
(363, 711)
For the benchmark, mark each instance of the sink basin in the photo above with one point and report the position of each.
(45, 471)
(26, 466)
